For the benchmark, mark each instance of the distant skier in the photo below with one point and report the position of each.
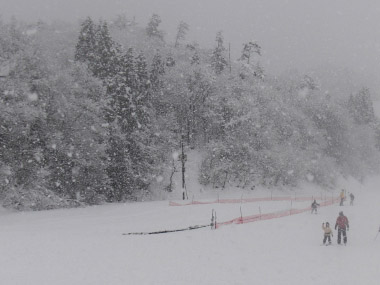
(328, 232)
(342, 198)
(352, 197)
(314, 206)
(342, 225)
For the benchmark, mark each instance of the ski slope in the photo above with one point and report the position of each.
(86, 245)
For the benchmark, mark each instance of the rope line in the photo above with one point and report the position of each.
(168, 231)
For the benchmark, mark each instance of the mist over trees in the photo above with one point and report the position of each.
(93, 113)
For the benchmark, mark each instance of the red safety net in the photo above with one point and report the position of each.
(252, 200)
(274, 215)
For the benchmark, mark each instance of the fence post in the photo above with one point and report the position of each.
(260, 211)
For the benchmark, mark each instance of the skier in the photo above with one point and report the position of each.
(328, 232)
(314, 206)
(352, 197)
(342, 225)
(342, 197)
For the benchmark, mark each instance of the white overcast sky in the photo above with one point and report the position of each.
(298, 34)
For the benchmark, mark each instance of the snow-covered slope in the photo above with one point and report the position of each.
(86, 246)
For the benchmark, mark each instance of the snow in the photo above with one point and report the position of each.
(86, 245)
(32, 96)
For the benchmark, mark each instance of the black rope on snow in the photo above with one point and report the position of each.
(167, 231)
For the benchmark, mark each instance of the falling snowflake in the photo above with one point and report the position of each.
(175, 155)
(310, 177)
(33, 96)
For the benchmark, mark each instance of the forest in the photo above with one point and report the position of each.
(93, 113)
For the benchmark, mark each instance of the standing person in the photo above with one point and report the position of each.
(352, 197)
(342, 225)
(314, 206)
(328, 232)
(341, 197)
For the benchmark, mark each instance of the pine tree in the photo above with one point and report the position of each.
(152, 29)
(130, 154)
(157, 70)
(218, 61)
(248, 66)
(248, 49)
(85, 48)
(96, 48)
(182, 30)
(142, 76)
(361, 107)
(106, 55)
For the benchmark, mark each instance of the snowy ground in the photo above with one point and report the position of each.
(86, 246)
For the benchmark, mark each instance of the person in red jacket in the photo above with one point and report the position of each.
(343, 226)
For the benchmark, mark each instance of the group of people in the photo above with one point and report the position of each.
(341, 223)
(343, 198)
(315, 205)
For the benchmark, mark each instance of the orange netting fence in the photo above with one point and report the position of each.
(274, 215)
(248, 219)
(252, 200)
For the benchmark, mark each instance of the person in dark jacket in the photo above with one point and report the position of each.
(314, 206)
(342, 226)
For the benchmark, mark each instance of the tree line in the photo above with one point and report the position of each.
(94, 113)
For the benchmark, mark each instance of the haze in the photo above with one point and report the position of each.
(294, 34)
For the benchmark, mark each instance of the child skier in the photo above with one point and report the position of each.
(328, 232)
(314, 206)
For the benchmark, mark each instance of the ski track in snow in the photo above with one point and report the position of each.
(86, 246)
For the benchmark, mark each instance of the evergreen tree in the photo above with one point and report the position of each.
(105, 62)
(96, 48)
(157, 70)
(218, 61)
(152, 29)
(142, 75)
(182, 30)
(248, 49)
(85, 50)
(248, 67)
(361, 107)
(131, 158)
